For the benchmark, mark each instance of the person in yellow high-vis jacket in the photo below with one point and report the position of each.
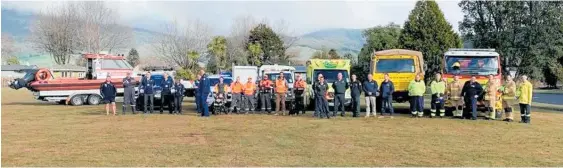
(438, 88)
(525, 99)
(508, 97)
(416, 90)
(491, 98)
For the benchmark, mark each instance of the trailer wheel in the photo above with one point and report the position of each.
(76, 100)
(94, 99)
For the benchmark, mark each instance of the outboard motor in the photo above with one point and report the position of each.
(24, 81)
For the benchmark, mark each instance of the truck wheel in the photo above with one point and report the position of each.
(62, 102)
(94, 99)
(76, 100)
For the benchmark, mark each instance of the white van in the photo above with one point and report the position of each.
(244, 72)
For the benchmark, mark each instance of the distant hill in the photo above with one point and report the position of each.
(344, 41)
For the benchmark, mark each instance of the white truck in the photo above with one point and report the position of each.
(244, 72)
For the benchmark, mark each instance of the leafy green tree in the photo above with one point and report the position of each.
(527, 34)
(212, 66)
(13, 61)
(351, 57)
(270, 43)
(377, 38)
(427, 31)
(133, 57)
(255, 51)
(218, 50)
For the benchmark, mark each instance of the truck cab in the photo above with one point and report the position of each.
(402, 67)
(330, 69)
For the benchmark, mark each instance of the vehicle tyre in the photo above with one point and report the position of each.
(76, 100)
(62, 102)
(94, 99)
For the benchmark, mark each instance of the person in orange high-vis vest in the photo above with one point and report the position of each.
(299, 91)
(249, 89)
(237, 88)
(281, 89)
(266, 94)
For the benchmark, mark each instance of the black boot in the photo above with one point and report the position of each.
(528, 120)
(123, 110)
(133, 109)
(522, 119)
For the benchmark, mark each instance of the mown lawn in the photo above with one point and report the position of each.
(44, 134)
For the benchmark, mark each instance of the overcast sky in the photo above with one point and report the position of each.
(302, 17)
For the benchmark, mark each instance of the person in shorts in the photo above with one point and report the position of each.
(108, 92)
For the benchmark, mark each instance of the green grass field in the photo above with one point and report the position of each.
(45, 134)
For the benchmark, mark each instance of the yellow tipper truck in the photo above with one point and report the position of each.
(401, 65)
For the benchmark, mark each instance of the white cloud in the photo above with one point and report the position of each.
(303, 17)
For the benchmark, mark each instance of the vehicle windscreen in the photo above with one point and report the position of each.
(115, 64)
(330, 75)
(214, 81)
(287, 76)
(395, 65)
(472, 65)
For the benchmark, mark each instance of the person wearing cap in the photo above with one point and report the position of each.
(491, 98)
(300, 86)
(470, 92)
(178, 93)
(167, 97)
(508, 97)
(266, 94)
(108, 92)
(416, 89)
(281, 89)
(249, 90)
(525, 99)
(437, 88)
(237, 88)
(129, 93)
(339, 86)
(453, 93)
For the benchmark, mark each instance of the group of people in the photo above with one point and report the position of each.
(172, 94)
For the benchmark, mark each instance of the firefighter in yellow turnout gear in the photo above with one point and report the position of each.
(454, 96)
(508, 97)
(438, 88)
(491, 98)
(525, 99)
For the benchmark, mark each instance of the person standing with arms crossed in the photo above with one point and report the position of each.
(108, 92)
(438, 88)
(370, 92)
(386, 89)
(147, 86)
(178, 93)
(167, 97)
(236, 88)
(416, 92)
(525, 98)
(281, 88)
(339, 86)
(508, 97)
(128, 93)
(321, 103)
(454, 95)
(204, 91)
(266, 94)
(470, 92)
(356, 89)
(249, 90)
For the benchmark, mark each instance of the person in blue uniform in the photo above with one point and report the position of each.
(178, 92)
(167, 97)
(147, 88)
(203, 89)
(321, 103)
(108, 92)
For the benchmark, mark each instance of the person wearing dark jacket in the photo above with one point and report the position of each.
(386, 89)
(147, 88)
(203, 88)
(470, 92)
(196, 83)
(356, 89)
(178, 93)
(129, 93)
(167, 97)
(321, 103)
(339, 86)
(108, 92)
(370, 92)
